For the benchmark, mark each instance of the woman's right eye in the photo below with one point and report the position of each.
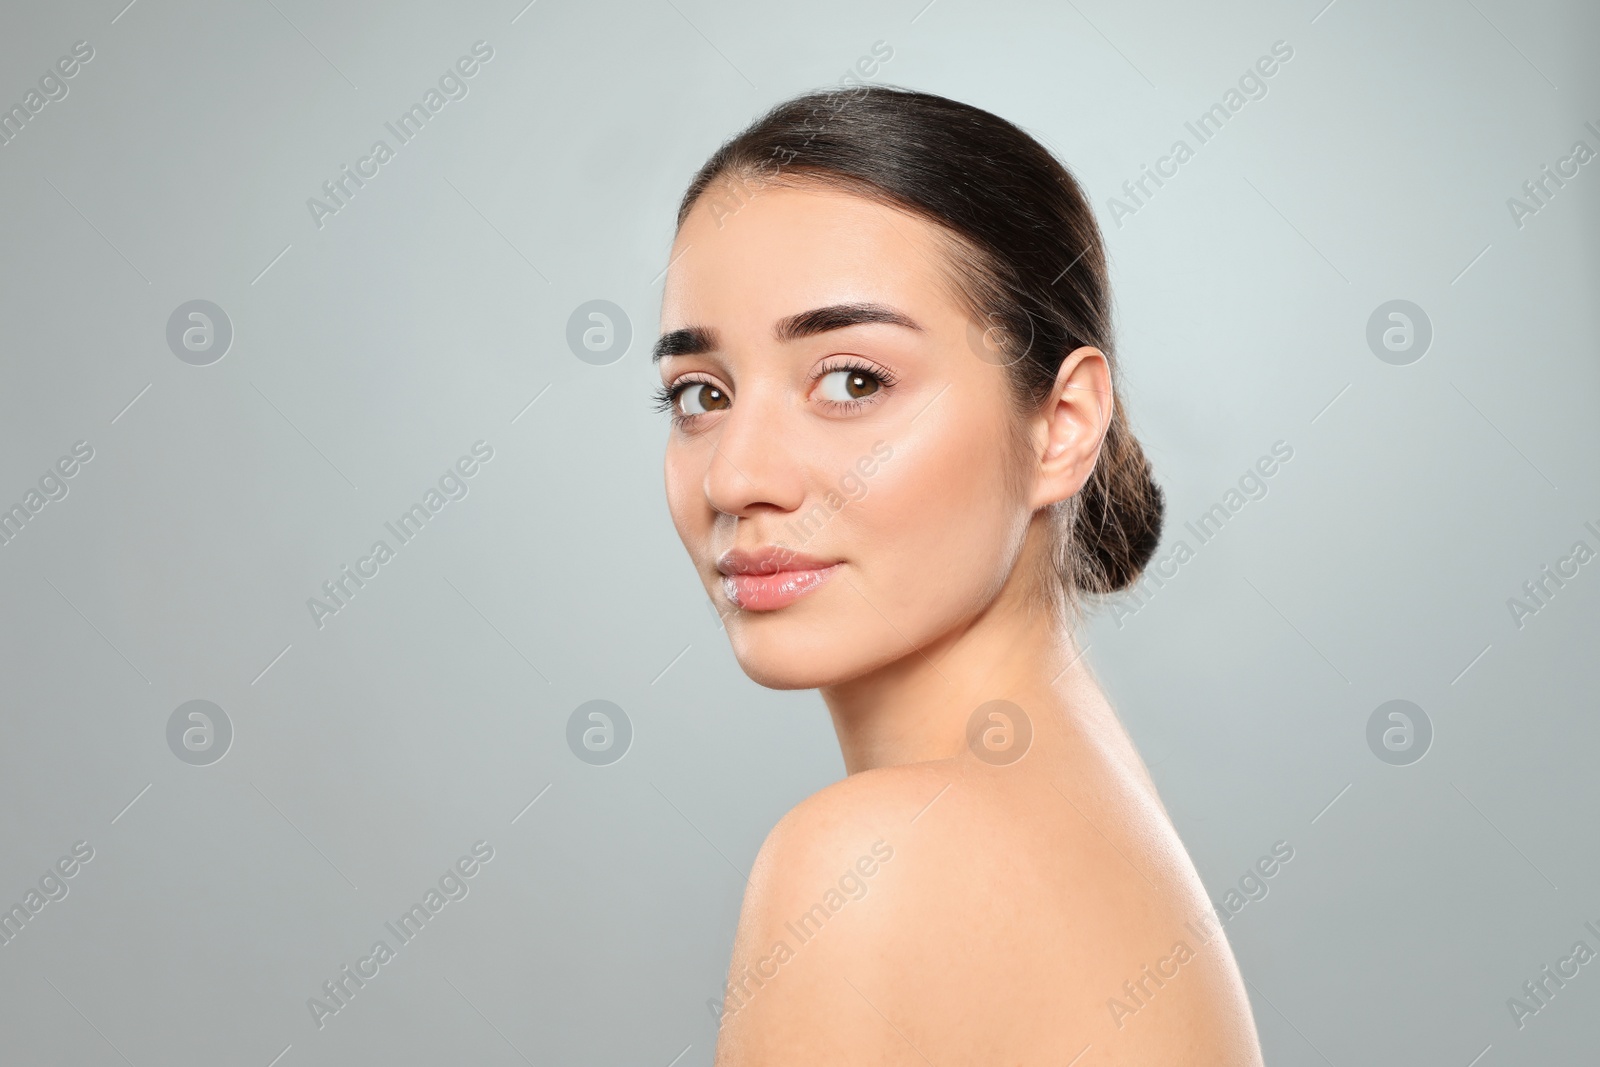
(700, 398)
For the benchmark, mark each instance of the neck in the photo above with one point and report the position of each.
(916, 708)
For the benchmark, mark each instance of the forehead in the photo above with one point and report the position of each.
(757, 253)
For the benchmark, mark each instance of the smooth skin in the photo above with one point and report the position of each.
(1015, 900)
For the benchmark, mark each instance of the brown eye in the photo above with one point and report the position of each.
(843, 386)
(698, 398)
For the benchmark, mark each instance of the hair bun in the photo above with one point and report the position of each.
(1119, 515)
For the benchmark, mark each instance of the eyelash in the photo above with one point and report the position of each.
(665, 397)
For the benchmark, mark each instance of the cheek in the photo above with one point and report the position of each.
(940, 507)
(685, 473)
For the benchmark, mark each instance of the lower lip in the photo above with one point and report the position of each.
(769, 592)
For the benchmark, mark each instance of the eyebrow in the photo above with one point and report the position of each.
(687, 342)
(695, 340)
(837, 317)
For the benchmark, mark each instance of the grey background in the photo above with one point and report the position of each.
(369, 354)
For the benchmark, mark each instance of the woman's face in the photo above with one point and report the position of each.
(837, 464)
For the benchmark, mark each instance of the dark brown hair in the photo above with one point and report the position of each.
(1031, 259)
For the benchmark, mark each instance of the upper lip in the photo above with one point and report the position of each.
(769, 559)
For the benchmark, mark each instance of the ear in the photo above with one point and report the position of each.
(1070, 428)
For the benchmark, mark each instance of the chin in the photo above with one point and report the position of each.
(776, 660)
(779, 653)
(814, 652)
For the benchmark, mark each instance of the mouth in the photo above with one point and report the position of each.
(771, 578)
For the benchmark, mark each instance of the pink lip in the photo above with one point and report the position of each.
(768, 592)
(769, 578)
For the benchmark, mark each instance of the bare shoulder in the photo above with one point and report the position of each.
(855, 839)
(846, 816)
(953, 912)
(834, 888)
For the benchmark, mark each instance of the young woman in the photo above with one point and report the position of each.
(900, 465)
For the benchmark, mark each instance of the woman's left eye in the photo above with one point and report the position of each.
(843, 386)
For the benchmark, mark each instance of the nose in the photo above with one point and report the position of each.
(755, 464)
